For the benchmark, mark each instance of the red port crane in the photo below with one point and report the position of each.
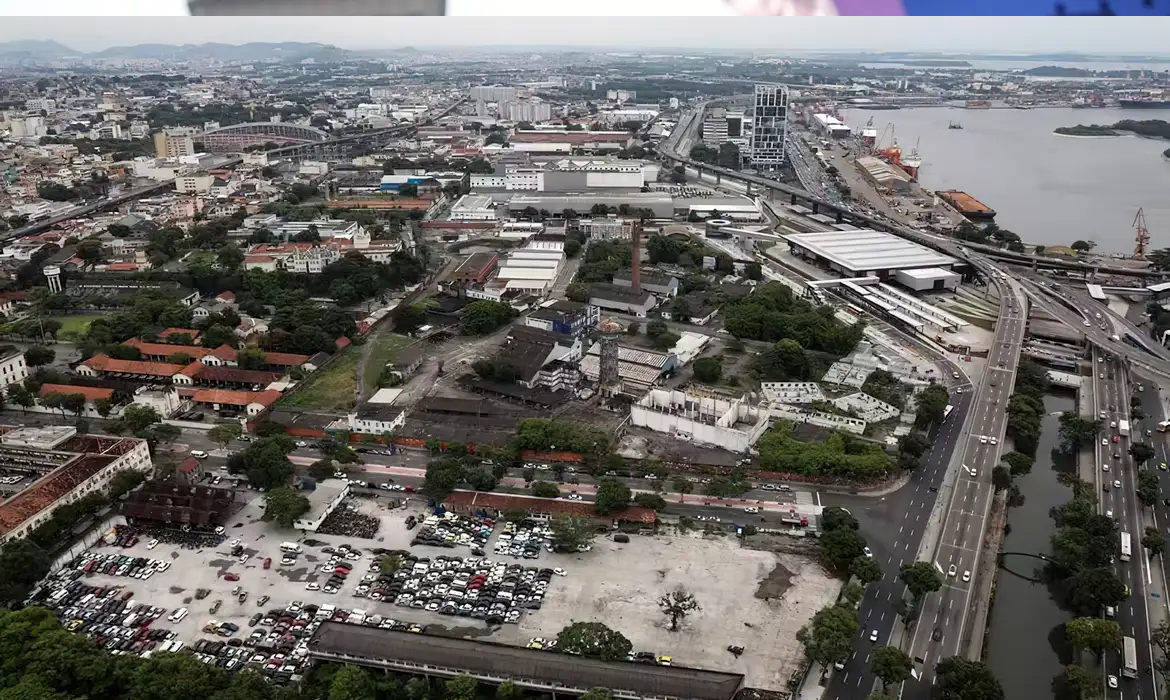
(1142, 239)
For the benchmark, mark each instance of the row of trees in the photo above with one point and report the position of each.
(1025, 407)
(774, 313)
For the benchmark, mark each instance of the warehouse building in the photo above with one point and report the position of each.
(865, 253)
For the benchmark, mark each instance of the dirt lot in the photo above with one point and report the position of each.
(619, 584)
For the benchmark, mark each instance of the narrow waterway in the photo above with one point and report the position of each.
(1026, 647)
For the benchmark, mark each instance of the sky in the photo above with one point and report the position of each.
(1099, 35)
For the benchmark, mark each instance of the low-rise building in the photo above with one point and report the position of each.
(494, 504)
(563, 316)
(611, 297)
(13, 368)
(323, 500)
(658, 285)
(730, 423)
(377, 419)
(542, 358)
(252, 403)
(71, 468)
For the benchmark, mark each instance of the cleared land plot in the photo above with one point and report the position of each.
(385, 348)
(619, 585)
(330, 389)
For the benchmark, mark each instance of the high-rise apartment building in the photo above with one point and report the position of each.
(526, 111)
(769, 113)
(493, 93)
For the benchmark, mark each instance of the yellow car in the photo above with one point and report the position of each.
(664, 660)
(73, 625)
(1126, 590)
(1162, 466)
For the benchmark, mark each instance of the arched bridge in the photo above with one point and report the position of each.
(1033, 579)
(230, 139)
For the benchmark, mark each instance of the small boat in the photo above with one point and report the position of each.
(954, 125)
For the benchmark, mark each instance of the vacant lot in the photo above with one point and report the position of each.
(384, 347)
(330, 389)
(754, 599)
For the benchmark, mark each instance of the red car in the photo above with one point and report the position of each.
(1116, 438)
(231, 576)
(267, 562)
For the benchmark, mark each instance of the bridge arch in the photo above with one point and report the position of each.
(1030, 555)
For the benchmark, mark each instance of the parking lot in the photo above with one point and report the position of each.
(619, 585)
(484, 577)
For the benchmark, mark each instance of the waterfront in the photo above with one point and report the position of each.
(1050, 189)
(1026, 648)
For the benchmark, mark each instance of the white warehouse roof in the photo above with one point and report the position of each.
(864, 250)
(526, 273)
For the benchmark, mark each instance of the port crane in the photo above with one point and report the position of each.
(1142, 239)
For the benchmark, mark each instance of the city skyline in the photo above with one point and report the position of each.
(774, 35)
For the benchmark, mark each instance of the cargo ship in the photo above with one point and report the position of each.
(978, 104)
(967, 205)
(1144, 103)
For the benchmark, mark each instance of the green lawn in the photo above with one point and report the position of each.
(330, 389)
(386, 346)
(76, 324)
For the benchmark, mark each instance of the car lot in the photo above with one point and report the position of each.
(270, 601)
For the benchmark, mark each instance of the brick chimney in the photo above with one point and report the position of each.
(636, 258)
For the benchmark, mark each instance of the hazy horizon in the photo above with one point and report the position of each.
(1103, 36)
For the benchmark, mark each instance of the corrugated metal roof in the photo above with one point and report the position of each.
(487, 659)
(865, 250)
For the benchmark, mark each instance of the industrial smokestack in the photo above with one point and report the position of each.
(636, 260)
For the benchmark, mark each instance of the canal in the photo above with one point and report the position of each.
(1026, 647)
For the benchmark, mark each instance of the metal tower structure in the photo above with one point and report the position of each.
(608, 376)
(1142, 239)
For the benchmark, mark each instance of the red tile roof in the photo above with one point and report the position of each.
(91, 393)
(189, 465)
(226, 297)
(504, 501)
(230, 375)
(570, 137)
(237, 398)
(105, 363)
(166, 350)
(180, 331)
(342, 343)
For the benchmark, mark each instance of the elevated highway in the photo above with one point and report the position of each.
(756, 185)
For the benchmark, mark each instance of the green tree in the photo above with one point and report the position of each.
(1089, 591)
(351, 683)
(1094, 634)
(284, 506)
(1019, 462)
(676, 605)
(891, 665)
(125, 480)
(572, 531)
(138, 418)
(1141, 452)
(612, 496)
(544, 489)
(683, 486)
(597, 694)
(461, 688)
(853, 593)
(39, 355)
(1001, 477)
(265, 462)
(828, 637)
(1159, 637)
(959, 679)
(21, 396)
(223, 435)
(920, 577)
(321, 469)
(931, 402)
(1154, 541)
(252, 358)
(650, 500)
(509, 691)
(482, 316)
(593, 640)
(842, 546)
(389, 564)
(865, 569)
(834, 518)
(707, 369)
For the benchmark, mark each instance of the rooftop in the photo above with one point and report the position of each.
(494, 660)
(613, 292)
(236, 398)
(105, 363)
(91, 393)
(864, 250)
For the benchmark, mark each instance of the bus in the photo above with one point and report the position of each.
(1126, 547)
(947, 412)
(1164, 426)
(1129, 658)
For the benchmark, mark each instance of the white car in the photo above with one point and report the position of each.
(966, 577)
(869, 552)
(873, 636)
(1104, 467)
(312, 586)
(1112, 681)
(1086, 324)
(993, 440)
(243, 558)
(152, 544)
(751, 510)
(952, 571)
(1117, 483)
(1108, 514)
(560, 572)
(574, 497)
(982, 439)
(235, 542)
(302, 443)
(1104, 442)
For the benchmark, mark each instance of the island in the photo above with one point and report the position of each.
(1149, 128)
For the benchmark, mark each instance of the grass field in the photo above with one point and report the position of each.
(330, 389)
(75, 324)
(386, 346)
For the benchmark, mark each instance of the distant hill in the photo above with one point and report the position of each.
(254, 51)
(35, 48)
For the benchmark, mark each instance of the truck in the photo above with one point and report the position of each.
(1123, 427)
